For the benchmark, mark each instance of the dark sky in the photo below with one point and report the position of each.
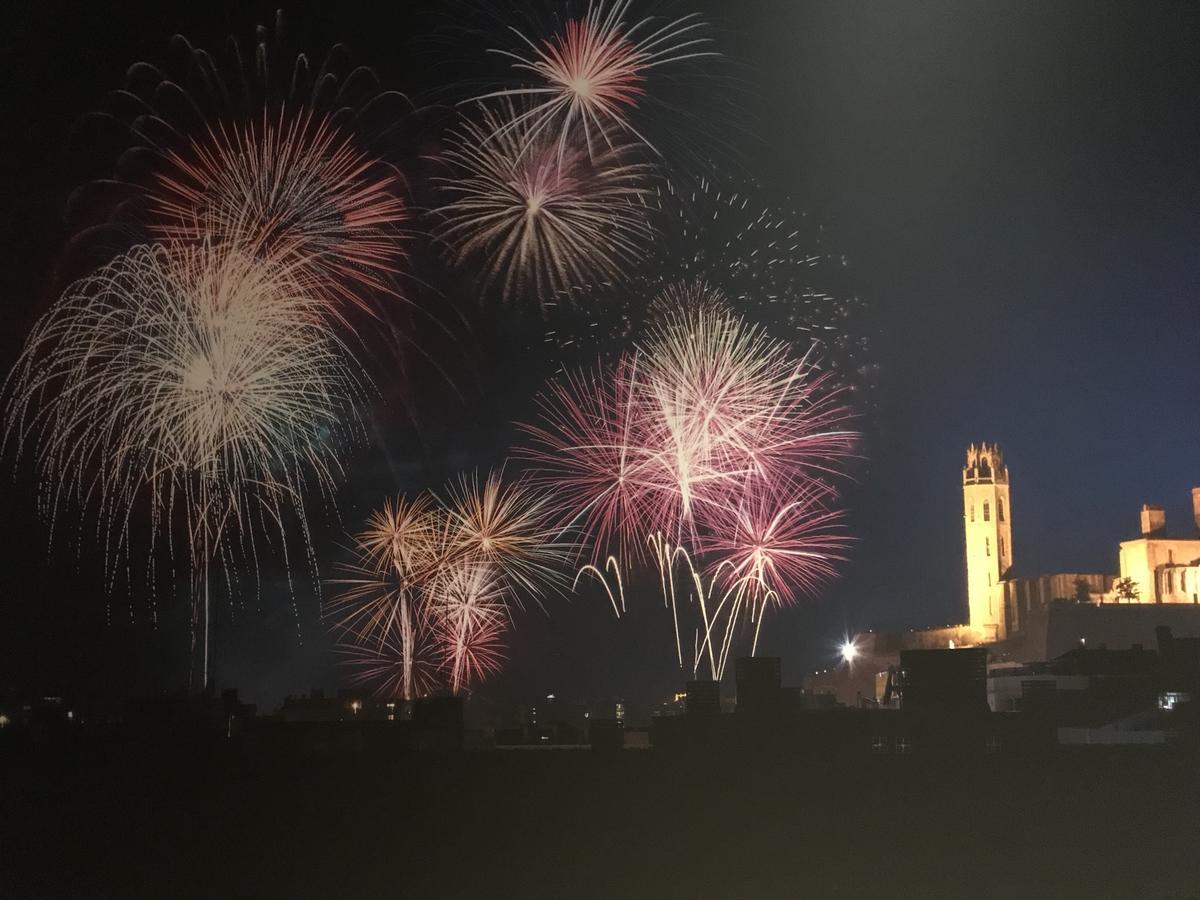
(1015, 186)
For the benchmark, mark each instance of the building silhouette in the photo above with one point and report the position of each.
(759, 684)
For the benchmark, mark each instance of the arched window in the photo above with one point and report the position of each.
(1183, 581)
(987, 546)
(1000, 509)
(1001, 546)
(972, 512)
(987, 511)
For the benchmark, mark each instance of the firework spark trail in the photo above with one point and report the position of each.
(196, 381)
(591, 75)
(611, 565)
(542, 218)
(437, 578)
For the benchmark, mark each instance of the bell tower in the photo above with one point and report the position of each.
(987, 522)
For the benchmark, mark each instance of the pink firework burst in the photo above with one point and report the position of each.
(775, 541)
(715, 440)
(591, 74)
(591, 454)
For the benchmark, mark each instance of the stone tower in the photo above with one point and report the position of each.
(987, 523)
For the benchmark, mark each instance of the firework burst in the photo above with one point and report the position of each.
(775, 546)
(295, 188)
(543, 217)
(503, 527)
(712, 437)
(590, 451)
(434, 580)
(467, 603)
(591, 74)
(197, 382)
(255, 151)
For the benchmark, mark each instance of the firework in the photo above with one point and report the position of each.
(775, 266)
(591, 74)
(198, 383)
(774, 546)
(257, 151)
(503, 527)
(428, 599)
(712, 437)
(591, 452)
(405, 537)
(380, 603)
(293, 187)
(467, 604)
(543, 217)
(733, 404)
(394, 664)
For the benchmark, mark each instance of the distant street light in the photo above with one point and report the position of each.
(849, 651)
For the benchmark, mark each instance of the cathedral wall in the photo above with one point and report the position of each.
(1141, 558)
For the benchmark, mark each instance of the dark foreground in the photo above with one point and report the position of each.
(105, 819)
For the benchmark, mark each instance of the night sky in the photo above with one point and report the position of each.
(1015, 187)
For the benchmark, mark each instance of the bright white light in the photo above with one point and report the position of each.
(849, 651)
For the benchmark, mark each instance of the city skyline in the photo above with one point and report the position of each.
(1065, 315)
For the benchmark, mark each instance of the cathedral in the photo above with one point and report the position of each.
(1028, 618)
(1154, 568)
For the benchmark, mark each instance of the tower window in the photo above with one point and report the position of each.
(987, 546)
(1000, 509)
(972, 512)
(1001, 546)
(987, 511)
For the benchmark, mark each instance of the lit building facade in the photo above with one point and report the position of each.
(987, 523)
(1041, 616)
(1162, 568)
(1165, 569)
